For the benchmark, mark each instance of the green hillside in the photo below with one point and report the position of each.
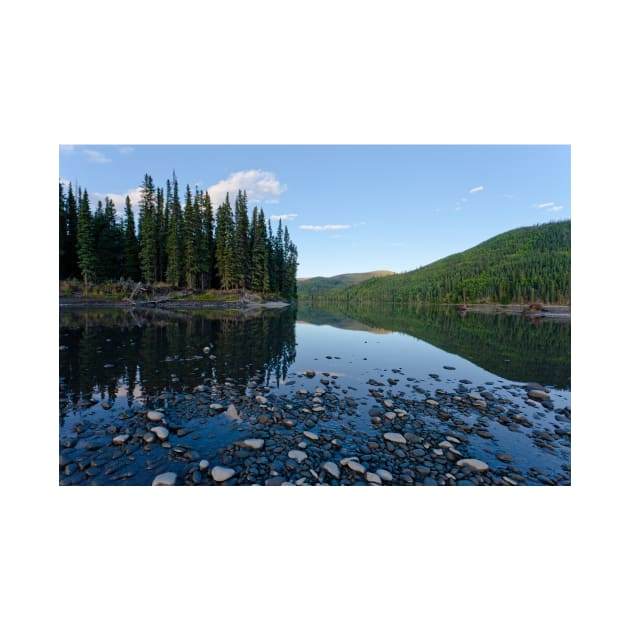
(523, 265)
(311, 287)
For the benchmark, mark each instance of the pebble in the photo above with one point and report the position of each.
(204, 464)
(385, 475)
(475, 464)
(356, 466)
(165, 479)
(397, 438)
(232, 412)
(120, 439)
(538, 394)
(161, 432)
(371, 477)
(298, 456)
(253, 443)
(332, 469)
(311, 436)
(261, 400)
(155, 416)
(220, 473)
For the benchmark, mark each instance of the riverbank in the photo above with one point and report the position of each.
(557, 311)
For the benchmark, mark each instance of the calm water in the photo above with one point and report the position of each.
(123, 357)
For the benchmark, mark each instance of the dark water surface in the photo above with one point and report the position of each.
(117, 364)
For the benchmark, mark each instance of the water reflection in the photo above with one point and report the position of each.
(110, 353)
(512, 347)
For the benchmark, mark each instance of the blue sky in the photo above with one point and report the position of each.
(352, 208)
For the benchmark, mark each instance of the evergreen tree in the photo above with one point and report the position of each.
(175, 245)
(147, 228)
(71, 261)
(224, 244)
(259, 258)
(290, 268)
(192, 238)
(131, 263)
(63, 231)
(158, 233)
(207, 257)
(241, 251)
(85, 241)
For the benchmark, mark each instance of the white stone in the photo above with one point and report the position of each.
(311, 436)
(539, 394)
(232, 413)
(431, 402)
(388, 403)
(161, 432)
(204, 464)
(217, 407)
(445, 444)
(318, 409)
(298, 456)
(253, 443)
(385, 475)
(395, 437)
(476, 464)
(371, 477)
(316, 400)
(165, 479)
(332, 469)
(155, 416)
(261, 400)
(206, 350)
(120, 439)
(354, 465)
(389, 415)
(345, 460)
(219, 473)
(452, 439)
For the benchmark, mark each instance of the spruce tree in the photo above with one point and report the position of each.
(192, 238)
(175, 268)
(85, 241)
(63, 231)
(259, 258)
(225, 244)
(146, 225)
(71, 264)
(241, 251)
(207, 257)
(131, 264)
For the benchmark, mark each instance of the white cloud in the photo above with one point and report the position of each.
(119, 199)
(322, 228)
(96, 156)
(472, 191)
(547, 204)
(284, 217)
(555, 209)
(261, 187)
(125, 150)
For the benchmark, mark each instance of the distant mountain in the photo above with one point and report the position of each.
(308, 287)
(527, 264)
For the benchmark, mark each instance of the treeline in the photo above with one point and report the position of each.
(190, 246)
(523, 265)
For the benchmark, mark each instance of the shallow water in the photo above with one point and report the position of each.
(134, 360)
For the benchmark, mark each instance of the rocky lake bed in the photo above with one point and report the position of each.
(317, 425)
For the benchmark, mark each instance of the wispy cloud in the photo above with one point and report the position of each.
(125, 150)
(261, 187)
(323, 228)
(96, 156)
(547, 204)
(284, 217)
(477, 189)
(554, 209)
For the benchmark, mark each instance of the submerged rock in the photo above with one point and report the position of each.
(165, 479)
(397, 438)
(475, 464)
(220, 473)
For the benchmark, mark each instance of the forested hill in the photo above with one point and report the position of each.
(309, 287)
(527, 264)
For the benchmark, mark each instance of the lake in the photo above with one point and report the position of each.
(341, 396)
